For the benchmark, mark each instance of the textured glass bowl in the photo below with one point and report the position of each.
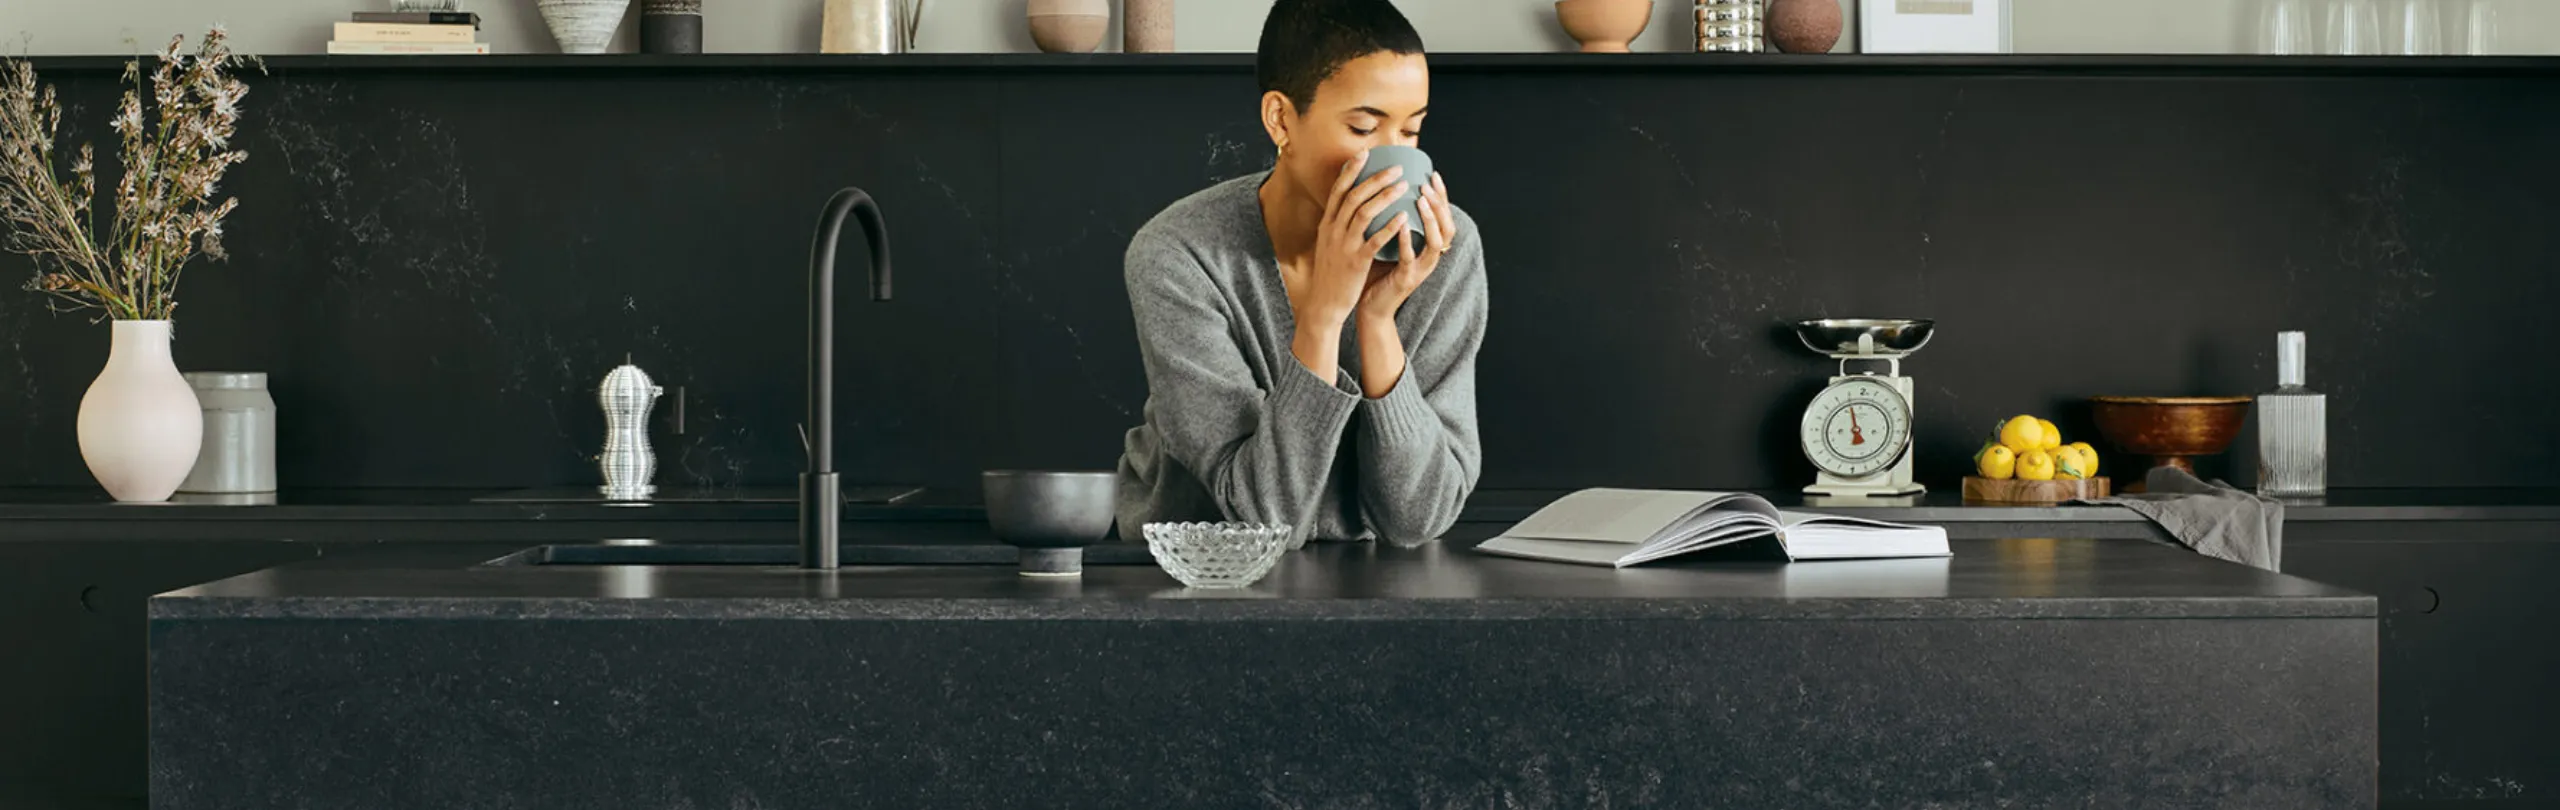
(1217, 555)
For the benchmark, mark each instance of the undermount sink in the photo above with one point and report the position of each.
(857, 495)
(781, 555)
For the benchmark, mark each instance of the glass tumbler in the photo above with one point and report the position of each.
(2420, 32)
(2286, 27)
(2480, 29)
(2355, 27)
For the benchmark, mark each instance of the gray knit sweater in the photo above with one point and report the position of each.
(1237, 429)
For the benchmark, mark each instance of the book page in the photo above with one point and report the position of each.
(1604, 515)
(1572, 551)
(1811, 537)
(1794, 519)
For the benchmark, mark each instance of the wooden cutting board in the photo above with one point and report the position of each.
(2013, 491)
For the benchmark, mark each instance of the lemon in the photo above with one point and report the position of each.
(2088, 457)
(1995, 462)
(2067, 464)
(2035, 465)
(2022, 434)
(2052, 435)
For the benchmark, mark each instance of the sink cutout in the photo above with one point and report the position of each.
(864, 496)
(778, 555)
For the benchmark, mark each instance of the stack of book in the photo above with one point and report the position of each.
(410, 32)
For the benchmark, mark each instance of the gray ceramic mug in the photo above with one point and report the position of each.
(1417, 173)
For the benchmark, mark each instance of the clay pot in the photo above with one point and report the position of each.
(1604, 26)
(1148, 27)
(1805, 26)
(1069, 26)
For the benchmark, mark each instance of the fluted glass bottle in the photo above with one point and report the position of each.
(2293, 427)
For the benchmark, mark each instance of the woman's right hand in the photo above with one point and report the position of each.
(1327, 287)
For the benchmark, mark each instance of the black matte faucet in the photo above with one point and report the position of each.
(821, 497)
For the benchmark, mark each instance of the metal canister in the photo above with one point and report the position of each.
(1731, 26)
(239, 451)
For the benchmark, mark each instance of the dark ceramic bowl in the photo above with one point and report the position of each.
(1049, 509)
(2170, 429)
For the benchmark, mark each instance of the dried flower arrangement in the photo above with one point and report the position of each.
(175, 152)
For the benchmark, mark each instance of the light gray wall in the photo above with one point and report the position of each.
(511, 26)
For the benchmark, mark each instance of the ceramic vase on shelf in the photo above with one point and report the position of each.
(1069, 26)
(582, 26)
(670, 26)
(1604, 26)
(140, 424)
(1146, 26)
(1805, 26)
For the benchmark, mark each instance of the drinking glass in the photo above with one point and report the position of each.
(2480, 30)
(2355, 27)
(2421, 33)
(2286, 27)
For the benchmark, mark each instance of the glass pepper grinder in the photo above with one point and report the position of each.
(2293, 428)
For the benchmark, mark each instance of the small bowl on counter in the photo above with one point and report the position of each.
(1051, 515)
(1218, 555)
(2170, 430)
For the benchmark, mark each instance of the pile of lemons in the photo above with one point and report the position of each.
(2031, 449)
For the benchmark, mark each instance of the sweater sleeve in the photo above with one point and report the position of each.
(1418, 450)
(1263, 449)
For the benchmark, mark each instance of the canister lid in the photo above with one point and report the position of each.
(239, 380)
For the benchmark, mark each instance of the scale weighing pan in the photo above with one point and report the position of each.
(1837, 336)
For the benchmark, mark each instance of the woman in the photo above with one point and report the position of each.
(1291, 378)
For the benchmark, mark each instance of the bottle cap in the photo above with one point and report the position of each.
(2289, 358)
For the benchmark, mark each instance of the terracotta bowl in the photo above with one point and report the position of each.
(2170, 430)
(1604, 26)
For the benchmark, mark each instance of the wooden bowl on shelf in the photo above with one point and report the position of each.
(2014, 492)
(2170, 430)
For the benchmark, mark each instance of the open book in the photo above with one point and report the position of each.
(1623, 527)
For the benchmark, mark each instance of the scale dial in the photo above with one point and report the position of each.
(1856, 428)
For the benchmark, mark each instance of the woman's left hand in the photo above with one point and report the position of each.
(1390, 284)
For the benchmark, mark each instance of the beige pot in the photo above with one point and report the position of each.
(1604, 26)
(140, 424)
(1069, 26)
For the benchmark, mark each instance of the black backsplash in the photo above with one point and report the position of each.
(438, 267)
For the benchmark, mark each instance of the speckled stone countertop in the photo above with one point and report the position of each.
(1987, 579)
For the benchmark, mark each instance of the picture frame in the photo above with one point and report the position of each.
(1933, 26)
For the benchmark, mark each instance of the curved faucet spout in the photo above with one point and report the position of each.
(821, 497)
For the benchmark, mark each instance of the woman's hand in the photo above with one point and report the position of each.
(1325, 287)
(1391, 285)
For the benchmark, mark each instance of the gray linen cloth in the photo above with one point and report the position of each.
(2215, 519)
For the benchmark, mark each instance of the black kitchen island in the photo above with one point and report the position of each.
(2024, 672)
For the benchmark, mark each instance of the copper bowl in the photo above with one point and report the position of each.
(2170, 429)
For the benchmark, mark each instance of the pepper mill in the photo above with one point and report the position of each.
(627, 395)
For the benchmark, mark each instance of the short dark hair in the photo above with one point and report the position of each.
(1305, 41)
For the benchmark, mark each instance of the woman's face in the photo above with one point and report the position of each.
(1375, 100)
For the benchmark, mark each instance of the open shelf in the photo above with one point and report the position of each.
(1847, 64)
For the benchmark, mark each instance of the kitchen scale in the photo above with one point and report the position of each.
(1857, 432)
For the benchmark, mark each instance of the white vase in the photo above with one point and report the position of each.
(140, 426)
(582, 26)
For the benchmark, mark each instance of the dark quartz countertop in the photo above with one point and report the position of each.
(1985, 579)
(775, 504)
